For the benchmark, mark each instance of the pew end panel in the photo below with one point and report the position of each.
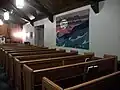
(17, 74)
(49, 85)
(28, 78)
(116, 59)
(10, 69)
(76, 51)
(93, 55)
(89, 53)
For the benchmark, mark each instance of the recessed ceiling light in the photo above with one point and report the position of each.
(31, 17)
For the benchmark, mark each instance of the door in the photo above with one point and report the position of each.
(39, 35)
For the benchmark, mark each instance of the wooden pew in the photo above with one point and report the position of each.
(9, 44)
(16, 44)
(74, 51)
(93, 54)
(118, 64)
(20, 48)
(19, 59)
(108, 82)
(63, 72)
(25, 47)
(5, 56)
(10, 58)
(5, 52)
(17, 53)
(54, 62)
(4, 48)
(12, 45)
(58, 59)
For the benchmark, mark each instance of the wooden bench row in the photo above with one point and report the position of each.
(26, 65)
(64, 72)
(8, 57)
(107, 82)
(50, 62)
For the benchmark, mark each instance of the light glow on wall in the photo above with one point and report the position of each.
(21, 35)
(20, 3)
(6, 16)
(1, 22)
(18, 34)
(27, 34)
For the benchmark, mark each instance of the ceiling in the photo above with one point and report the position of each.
(41, 9)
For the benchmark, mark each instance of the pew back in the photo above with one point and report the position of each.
(108, 82)
(54, 62)
(10, 59)
(91, 85)
(65, 72)
(18, 63)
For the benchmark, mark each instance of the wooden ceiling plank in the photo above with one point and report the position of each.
(40, 8)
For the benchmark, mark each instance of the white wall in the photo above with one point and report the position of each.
(49, 32)
(29, 28)
(104, 29)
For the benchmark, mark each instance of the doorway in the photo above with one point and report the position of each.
(39, 35)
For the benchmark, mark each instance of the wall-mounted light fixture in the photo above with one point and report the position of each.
(6, 15)
(20, 3)
(1, 22)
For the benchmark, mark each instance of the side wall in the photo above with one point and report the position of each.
(104, 29)
(27, 28)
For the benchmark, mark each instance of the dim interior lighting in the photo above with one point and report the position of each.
(1, 22)
(6, 15)
(21, 35)
(20, 3)
(27, 35)
(11, 12)
(32, 17)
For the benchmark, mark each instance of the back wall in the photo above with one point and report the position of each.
(104, 29)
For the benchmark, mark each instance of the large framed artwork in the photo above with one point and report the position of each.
(72, 30)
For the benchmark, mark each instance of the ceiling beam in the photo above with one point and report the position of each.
(39, 18)
(20, 13)
(81, 3)
(41, 8)
(14, 18)
(95, 5)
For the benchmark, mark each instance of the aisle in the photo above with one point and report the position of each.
(4, 80)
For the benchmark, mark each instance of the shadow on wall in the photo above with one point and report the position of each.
(101, 5)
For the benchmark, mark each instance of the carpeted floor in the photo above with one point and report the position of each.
(4, 80)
